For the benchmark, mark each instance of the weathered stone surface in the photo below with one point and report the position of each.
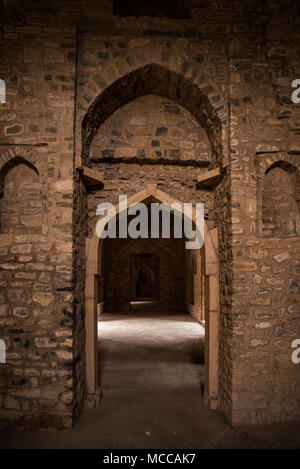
(45, 342)
(153, 101)
(144, 123)
(45, 299)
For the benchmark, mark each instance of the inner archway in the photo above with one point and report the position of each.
(209, 263)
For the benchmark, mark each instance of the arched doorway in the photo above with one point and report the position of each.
(205, 102)
(210, 266)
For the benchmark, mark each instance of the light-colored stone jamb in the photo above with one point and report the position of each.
(90, 176)
(209, 176)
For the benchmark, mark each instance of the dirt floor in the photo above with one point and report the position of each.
(152, 376)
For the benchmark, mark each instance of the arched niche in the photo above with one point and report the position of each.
(20, 198)
(278, 196)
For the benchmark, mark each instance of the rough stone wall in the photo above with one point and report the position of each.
(36, 124)
(151, 127)
(241, 55)
(21, 203)
(36, 274)
(264, 130)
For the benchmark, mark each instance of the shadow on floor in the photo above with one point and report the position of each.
(152, 374)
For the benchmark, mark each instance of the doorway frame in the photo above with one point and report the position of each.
(209, 251)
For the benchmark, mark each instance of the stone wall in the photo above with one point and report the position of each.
(69, 68)
(36, 299)
(265, 290)
(151, 127)
(36, 145)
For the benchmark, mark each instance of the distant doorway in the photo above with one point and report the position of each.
(145, 277)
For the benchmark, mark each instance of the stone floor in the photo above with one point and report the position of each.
(152, 369)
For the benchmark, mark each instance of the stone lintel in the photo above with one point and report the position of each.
(91, 177)
(210, 179)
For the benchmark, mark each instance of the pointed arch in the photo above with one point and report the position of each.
(185, 85)
(211, 270)
(21, 209)
(11, 163)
